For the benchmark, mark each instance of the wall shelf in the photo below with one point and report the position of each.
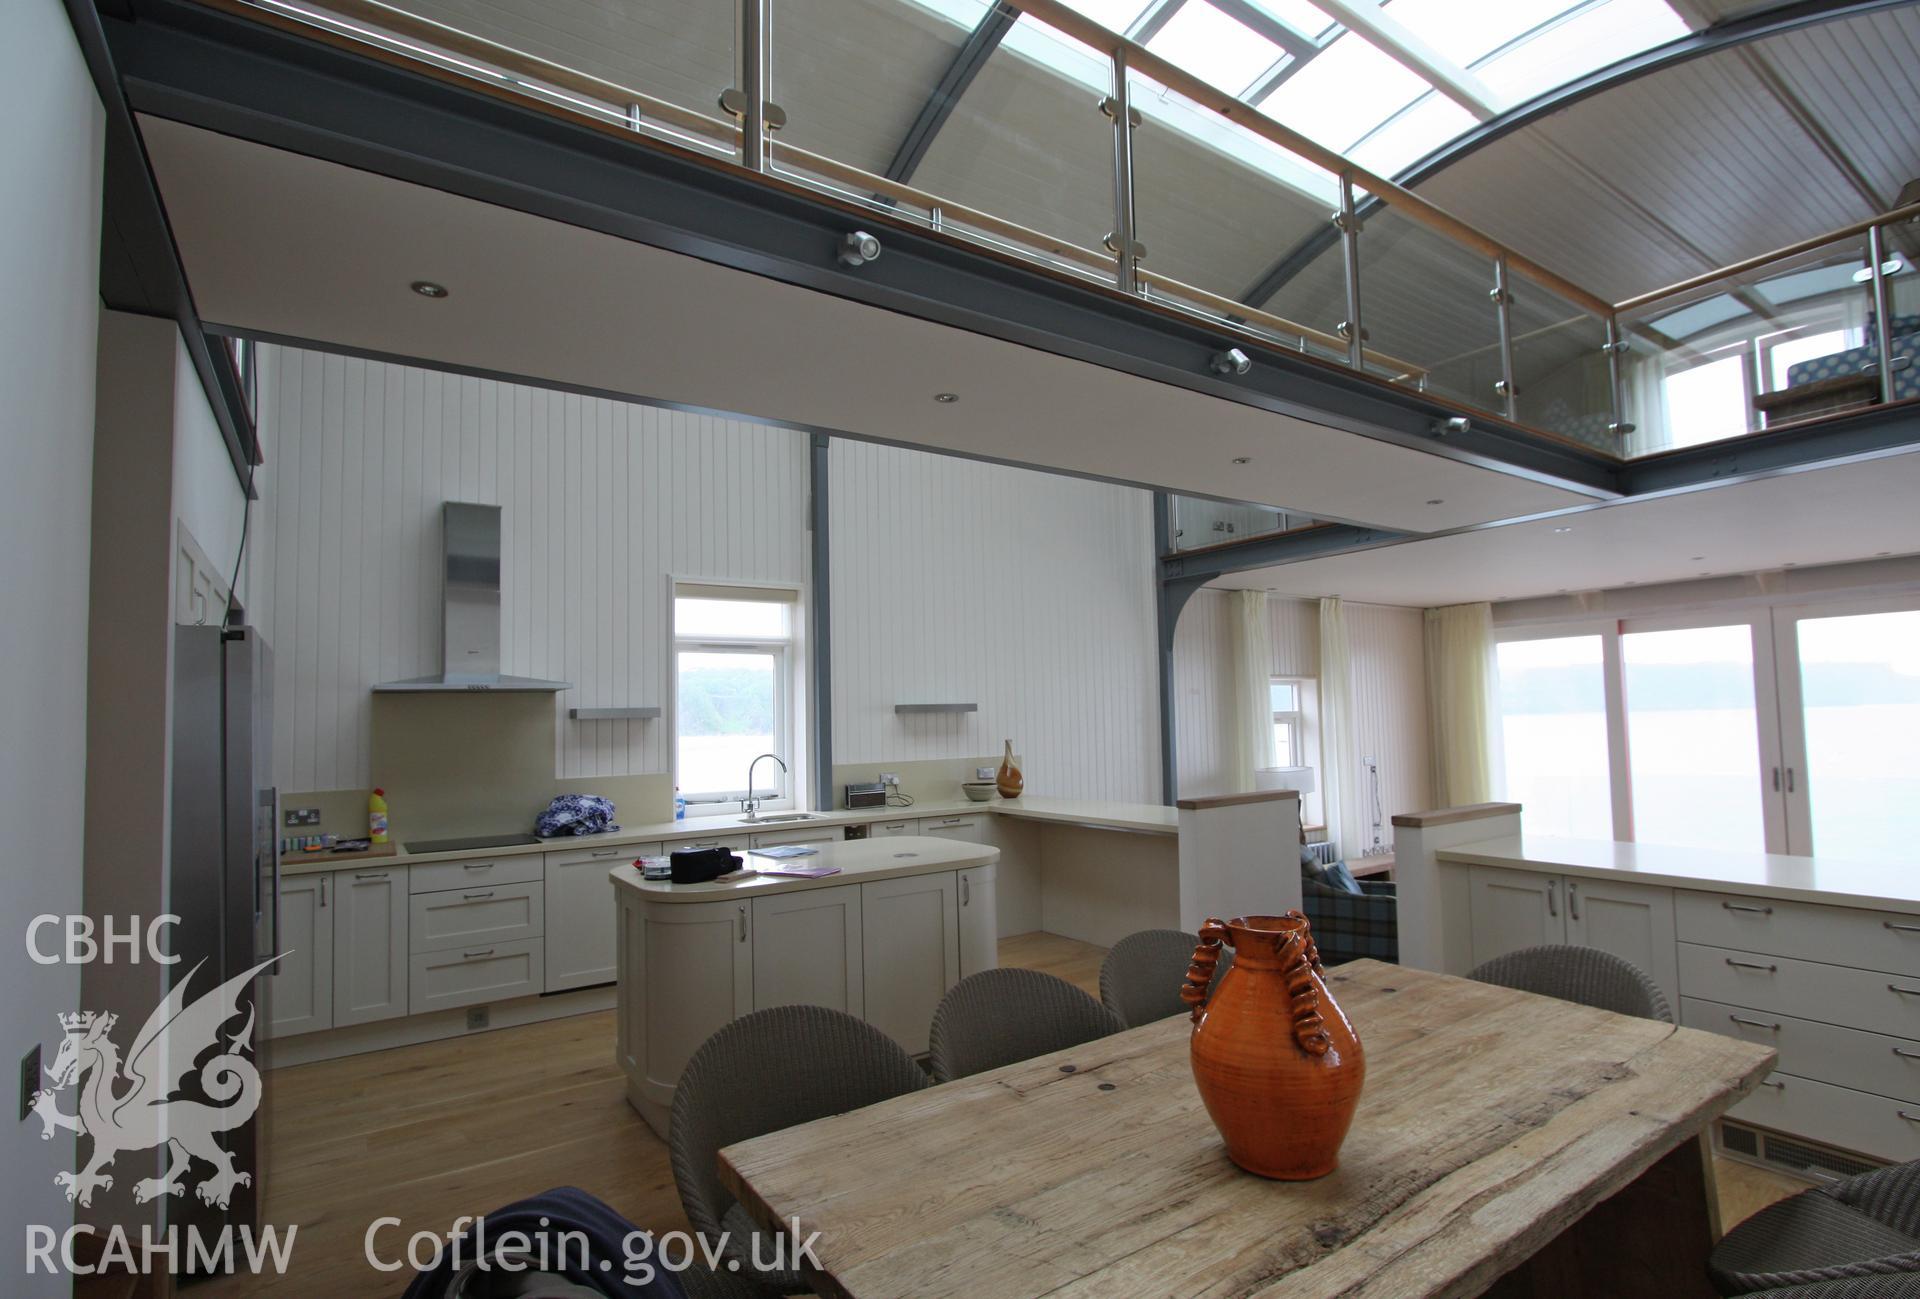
(613, 714)
(904, 709)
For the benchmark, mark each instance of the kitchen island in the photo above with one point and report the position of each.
(902, 919)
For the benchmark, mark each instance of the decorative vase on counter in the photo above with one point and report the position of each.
(1008, 780)
(1282, 1100)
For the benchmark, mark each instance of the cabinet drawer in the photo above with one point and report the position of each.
(906, 826)
(481, 870)
(816, 835)
(1837, 1116)
(971, 827)
(467, 976)
(476, 917)
(1845, 1057)
(1871, 940)
(611, 854)
(1827, 994)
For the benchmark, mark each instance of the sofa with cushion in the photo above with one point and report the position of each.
(1351, 919)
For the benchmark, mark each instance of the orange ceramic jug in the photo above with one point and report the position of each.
(1276, 1060)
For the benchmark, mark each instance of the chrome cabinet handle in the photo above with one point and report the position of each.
(1904, 1053)
(1553, 897)
(470, 897)
(323, 893)
(1755, 965)
(370, 875)
(1573, 900)
(1777, 1086)
(1908, 1115)
(1743, 906)
(1776, 780)
(476, 866)
(1905, 992)
(1758, 1023)
(1900, 929)
(966, 896)
(743, 922)
(474, 956)
(605, 852)
(1789, 780)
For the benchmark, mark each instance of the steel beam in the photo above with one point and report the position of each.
(945, 97)
(1275, 549)
(245, 79)
(1857, 435)
(820, 621)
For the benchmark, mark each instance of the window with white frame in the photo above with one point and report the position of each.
(1289, 722)
(733, 661)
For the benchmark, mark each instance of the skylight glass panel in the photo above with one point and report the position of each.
(1343, 93)
(1059, 53)
(1698, 316)
(1583, 43)
(1405, 139)
(1224, 53)
(1114, 15)
(1307, 19)
(1468, 30)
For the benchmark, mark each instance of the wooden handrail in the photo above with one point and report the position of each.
(1083, 29)
(1908, 213)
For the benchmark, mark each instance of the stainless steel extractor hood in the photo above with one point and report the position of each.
(470, 609)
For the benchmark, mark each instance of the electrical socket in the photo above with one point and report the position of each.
(891, 779)
(29, 1081)
(301, 816)
(983, 773)
(477, 1018)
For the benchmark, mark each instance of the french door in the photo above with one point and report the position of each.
(1849, 690)
(1786, 729)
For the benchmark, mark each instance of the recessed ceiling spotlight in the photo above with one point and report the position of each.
(1243, 460)
(1436, 501)
(428, 289)
(1696, 558)
(1881, 554)
(946, 398)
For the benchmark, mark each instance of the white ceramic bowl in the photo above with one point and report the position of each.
(979, 790)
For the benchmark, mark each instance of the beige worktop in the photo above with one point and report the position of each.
(1134, 818)
(1886, 886)
(858, 861)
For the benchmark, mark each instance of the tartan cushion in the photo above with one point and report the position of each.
(1349, 926)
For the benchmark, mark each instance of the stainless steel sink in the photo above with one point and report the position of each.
(778, 820)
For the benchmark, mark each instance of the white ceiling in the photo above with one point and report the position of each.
(1817, 516)
(277, 243)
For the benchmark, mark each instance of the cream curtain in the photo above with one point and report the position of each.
(1461, 685)
(1340, 796)
(1252, 699)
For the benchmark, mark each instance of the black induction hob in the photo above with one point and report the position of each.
(474, 844)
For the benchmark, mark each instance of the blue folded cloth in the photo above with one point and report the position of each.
(576, 814)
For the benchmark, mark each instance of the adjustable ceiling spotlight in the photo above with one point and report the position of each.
(1457, 424)
(1231, 361)
(858, 248)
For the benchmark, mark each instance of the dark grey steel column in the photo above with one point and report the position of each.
(820, 623)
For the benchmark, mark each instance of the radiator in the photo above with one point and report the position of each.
(1325, 852)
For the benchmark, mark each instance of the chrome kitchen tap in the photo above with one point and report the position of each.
(750, 804)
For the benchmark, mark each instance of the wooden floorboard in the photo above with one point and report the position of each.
(433, 1132)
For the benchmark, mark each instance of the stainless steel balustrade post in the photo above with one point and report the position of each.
(1615, 346)
(1882, 323)
(1347, 222)
(1126, 247)
(753, 80)
(1503, 308)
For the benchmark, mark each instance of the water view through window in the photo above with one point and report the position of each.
(1693, 737)
(1860, 698)
(1553, 730)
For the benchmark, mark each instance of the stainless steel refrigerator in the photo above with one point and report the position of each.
(224, 879)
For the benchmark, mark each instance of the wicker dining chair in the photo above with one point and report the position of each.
(1856, 1228)
(766, 1071)
(1141, 977)
(1583, 974)
(999, 1016)
(1900, 1286)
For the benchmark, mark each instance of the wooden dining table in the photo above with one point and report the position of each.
(1505, 1144)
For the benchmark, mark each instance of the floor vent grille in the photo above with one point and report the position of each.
(1801, 1157)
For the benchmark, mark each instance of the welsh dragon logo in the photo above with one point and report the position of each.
(149, 1112)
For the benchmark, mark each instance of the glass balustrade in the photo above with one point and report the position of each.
(995, 122)
(1198, 521)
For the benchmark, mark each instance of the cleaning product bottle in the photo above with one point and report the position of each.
(679, 805)
(377, 816)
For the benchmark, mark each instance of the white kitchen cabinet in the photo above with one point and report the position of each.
(968, 826)
(1632, 921)
(1514, 909)
(472, 976)
(369, 945)
(979, 920)
(889, 829)
(911, 940)
(814, 834)
(302, 992)
(686, 971)
(580, 926)
(807, 950)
